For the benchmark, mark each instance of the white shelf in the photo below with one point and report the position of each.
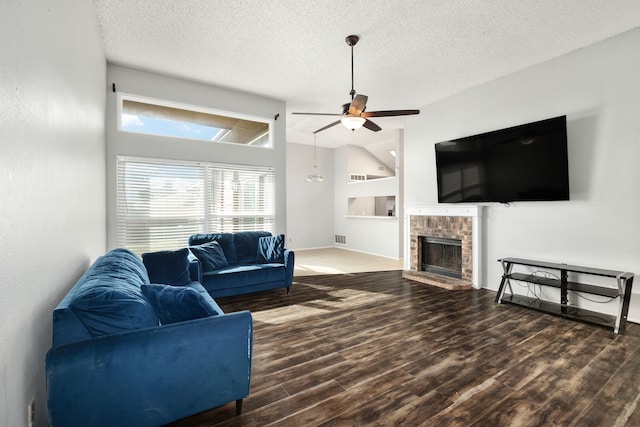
(371, 217)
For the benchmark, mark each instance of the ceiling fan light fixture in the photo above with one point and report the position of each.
(353, 123)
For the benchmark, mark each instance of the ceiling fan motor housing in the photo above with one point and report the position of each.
(345, 108)
(352, 40)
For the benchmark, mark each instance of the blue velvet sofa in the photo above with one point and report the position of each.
(128, 351)
(243, 262)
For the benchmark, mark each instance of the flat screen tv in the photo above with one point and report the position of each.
(521, 163)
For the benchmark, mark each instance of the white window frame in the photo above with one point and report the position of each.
(164, 228)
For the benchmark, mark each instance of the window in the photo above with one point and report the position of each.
(162, 118)
(161, 203)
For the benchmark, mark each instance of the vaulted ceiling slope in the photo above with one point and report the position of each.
(411, 52)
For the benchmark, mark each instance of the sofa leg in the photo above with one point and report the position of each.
(238, 406)
(288, 290)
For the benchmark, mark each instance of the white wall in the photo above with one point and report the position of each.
(309, 204)
(161, 87)
(377, 236)
(317, 211)
(598, 89)
(362, 162)
(52, 185)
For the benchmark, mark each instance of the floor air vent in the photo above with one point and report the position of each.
(341, 239)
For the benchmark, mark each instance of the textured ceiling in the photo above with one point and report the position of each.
(410, 53)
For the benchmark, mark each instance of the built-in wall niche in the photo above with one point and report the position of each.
(381, 206)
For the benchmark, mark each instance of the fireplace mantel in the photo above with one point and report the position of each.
(466, 210)
(474, 212)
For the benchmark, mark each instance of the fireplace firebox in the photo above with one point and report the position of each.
(441, 256)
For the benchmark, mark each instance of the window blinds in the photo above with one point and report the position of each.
(161, 203)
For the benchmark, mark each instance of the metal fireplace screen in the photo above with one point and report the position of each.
(442, 256)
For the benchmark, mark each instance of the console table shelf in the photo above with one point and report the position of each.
(622, 292)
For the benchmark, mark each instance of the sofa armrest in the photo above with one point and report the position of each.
(152, 376)
(289, 264)
(195, 269)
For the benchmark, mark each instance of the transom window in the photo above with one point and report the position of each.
(161, 203)
(162, 118)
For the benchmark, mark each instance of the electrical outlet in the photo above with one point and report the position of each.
(31, 412)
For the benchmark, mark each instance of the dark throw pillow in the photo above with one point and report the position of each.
(168, 267)
(224, 239)
(246, 243)
(176, 304)
(210, 255)
(271, 249)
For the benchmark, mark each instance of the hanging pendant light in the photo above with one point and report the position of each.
(314, 177)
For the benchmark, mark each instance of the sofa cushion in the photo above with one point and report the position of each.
(210, 255)
(168, 267)
(247, 245)
(176, 304)
(224, 239)
(117, 264)
(243, 275)
(271, 249)
(107, 299)
(106, 306)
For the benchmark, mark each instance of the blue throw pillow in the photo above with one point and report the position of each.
(246, 243)
(176, 304)
(168, 267)
(224, 239)
(210, 255)
(271, 249)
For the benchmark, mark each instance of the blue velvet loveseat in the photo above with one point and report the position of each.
(136, 346)
(243, 262)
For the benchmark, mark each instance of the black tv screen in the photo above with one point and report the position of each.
(521, 163)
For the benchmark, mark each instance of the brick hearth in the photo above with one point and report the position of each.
(444, 227)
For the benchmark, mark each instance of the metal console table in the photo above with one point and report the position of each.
(622, 292)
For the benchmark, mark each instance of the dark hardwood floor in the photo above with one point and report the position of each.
(376, 349)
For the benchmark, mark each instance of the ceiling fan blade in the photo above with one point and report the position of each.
(358, 104)
(371, 126)
(389, 113)
(328, 126)
(320, 114)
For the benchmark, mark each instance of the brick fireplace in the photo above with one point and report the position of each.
(443, 225)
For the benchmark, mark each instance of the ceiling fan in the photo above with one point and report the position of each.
(353, 114)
